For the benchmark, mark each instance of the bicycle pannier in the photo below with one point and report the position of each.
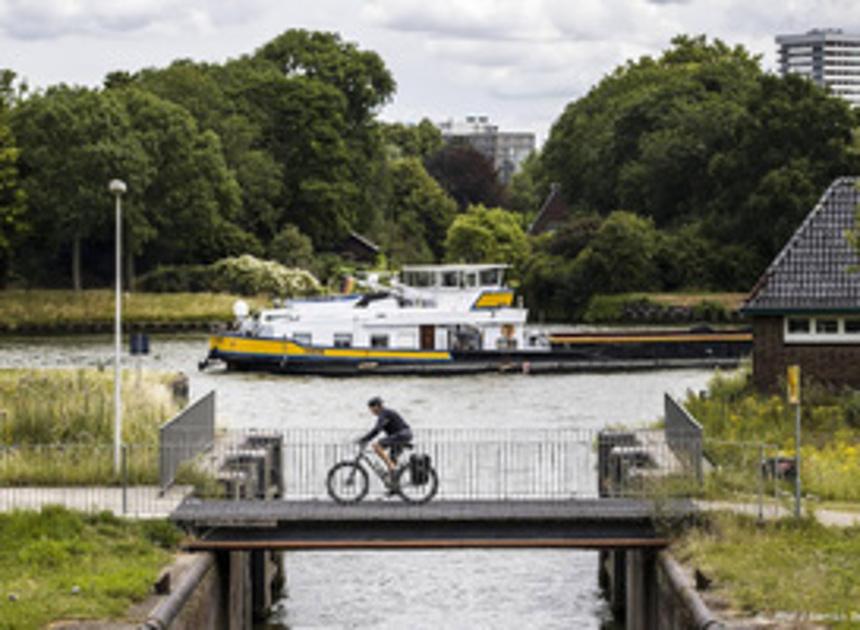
(419, 466)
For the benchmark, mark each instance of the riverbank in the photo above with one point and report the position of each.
(70, 312)
(782, 573)
(63, 565)
(65, 312)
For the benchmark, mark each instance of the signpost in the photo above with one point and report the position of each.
(793, 385)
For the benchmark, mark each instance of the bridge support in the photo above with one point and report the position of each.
(641, 589)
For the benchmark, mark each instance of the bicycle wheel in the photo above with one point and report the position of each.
(416, 493)
(347, 482)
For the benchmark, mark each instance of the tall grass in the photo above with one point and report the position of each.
(56, 426)
(22, 308)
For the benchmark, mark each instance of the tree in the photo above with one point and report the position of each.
(418, 214)
(12, 197)
(466, 175)
(73, 141)
(621, 256)
(292, 248)
(420, 141)
(702, 136)
(490, 235)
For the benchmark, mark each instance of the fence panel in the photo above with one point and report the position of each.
(189, 433)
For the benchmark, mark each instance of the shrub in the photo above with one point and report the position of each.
(247, 275)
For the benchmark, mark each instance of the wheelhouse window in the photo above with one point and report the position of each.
(852, 326)
(343, 340)
(379, 341)
(451, 279)
(491, 277)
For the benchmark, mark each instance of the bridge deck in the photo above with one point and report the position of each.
(584, 523)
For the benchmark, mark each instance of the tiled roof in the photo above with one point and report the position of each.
(815, 271)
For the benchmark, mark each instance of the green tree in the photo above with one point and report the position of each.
(702, 136)
(484, 234)
(621, 256)
(292, 248)
(73, 141)
(418, 215)
(421, 140)
(12, 197)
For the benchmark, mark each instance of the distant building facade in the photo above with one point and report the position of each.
(805, 309)
(506, 149)
(828, 57)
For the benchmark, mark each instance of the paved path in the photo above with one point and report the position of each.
(770, 510)
(140, 501)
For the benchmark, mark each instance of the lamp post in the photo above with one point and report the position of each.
(118, 188)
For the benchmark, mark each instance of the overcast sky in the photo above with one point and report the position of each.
(518, 61)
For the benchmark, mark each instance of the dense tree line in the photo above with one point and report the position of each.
(689, 171)
(686, 171)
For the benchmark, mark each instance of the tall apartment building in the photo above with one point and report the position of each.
(506, 149)
(827, 56)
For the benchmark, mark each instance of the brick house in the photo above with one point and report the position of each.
(805, 309)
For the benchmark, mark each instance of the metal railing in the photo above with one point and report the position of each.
(82, 477)
(684, 434)
(472, 465)
(189, 433)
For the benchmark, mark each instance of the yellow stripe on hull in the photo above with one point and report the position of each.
(287, 349)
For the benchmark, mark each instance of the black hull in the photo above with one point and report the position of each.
(598, 357)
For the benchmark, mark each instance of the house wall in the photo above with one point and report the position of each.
(836, 363)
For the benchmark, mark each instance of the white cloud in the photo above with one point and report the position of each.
(48, 19)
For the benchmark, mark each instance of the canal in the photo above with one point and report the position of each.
(455, 589)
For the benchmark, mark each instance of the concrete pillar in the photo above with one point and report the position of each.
(641, 583)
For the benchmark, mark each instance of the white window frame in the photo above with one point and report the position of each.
(841, 336)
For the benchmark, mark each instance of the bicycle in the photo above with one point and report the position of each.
(414, 481)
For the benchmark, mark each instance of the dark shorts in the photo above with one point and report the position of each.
(397, 439)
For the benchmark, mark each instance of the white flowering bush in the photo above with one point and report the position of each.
(248, 275)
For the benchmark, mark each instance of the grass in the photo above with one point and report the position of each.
(736, 418)
(58, 564)
(56, 425)
(57, 308)
(789, 566)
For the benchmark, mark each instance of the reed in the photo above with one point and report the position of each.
(56, 426)
(58, 308)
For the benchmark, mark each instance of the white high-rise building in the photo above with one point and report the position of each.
(829, 57)
(506, 149)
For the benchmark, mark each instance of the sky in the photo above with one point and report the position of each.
(520, 62)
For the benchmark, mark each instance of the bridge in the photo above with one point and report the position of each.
(497, 488)
(608, 523)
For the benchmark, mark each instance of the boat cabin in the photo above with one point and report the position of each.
(431, 307)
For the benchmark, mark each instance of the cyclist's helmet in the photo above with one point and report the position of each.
(376, 401)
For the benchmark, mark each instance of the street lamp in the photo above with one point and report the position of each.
(118, 188)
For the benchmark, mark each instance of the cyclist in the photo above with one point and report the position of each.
(397, 433)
